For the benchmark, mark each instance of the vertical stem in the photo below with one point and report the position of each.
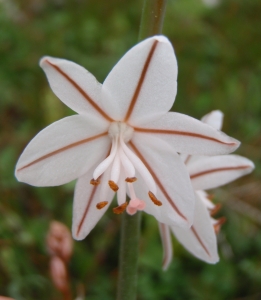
(153, 14)
(151, 24)
(129, 252)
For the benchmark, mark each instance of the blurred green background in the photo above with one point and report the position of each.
(219, 56)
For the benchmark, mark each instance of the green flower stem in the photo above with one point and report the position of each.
(151, 24)
(129, 253)
(153, 14)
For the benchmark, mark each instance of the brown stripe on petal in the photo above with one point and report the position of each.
(62, 149)
(141, 81)
(199, 240)
(95, 188)
(157, 180)
(86, 209)
(80, 90)
(218, 170)
(184, 133)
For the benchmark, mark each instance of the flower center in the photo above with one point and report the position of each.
(119, 167)
(121, 129)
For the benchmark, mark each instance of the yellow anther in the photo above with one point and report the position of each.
(113, 185)
(95, 182)
(100, 205)
(154, 199)
(216, 209)
(210, 197)
(120, 209)
(130, 179)
(219, 223)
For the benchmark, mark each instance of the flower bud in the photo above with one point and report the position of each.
(59, 241)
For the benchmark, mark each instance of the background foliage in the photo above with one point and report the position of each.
(218, 50)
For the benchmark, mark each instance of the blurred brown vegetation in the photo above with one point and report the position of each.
(219, 56)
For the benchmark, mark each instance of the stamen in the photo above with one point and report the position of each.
(121, 193)
(116, 167)
(210, 197)
(154, 199)
(120, 209)
(218, 224)
(113, 185)
(131, 179)
(127, 164)
(140, 167)
(95, 182)
(216, 209)
(100, 205)
(104, 165)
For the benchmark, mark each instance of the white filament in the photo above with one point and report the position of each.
(127, 164)
(140, 167)
(103, 166)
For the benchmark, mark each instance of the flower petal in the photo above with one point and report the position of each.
(166, 244)
(86, 196)
(143, 83)
(63, 151)
(74, 85)
(205, 198)
(171, 177)
(188, 135)
(214, 119)
(211, 172)
(200, 239)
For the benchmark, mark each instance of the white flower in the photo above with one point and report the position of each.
(205, 173)
(123, 132)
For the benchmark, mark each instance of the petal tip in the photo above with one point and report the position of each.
(78, 236)
(162, 39)
(217, 114)
(251, 166)
(213, 260)
(234, 144)
(43, 61)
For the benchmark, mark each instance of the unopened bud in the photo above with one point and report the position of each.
(59, 241)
